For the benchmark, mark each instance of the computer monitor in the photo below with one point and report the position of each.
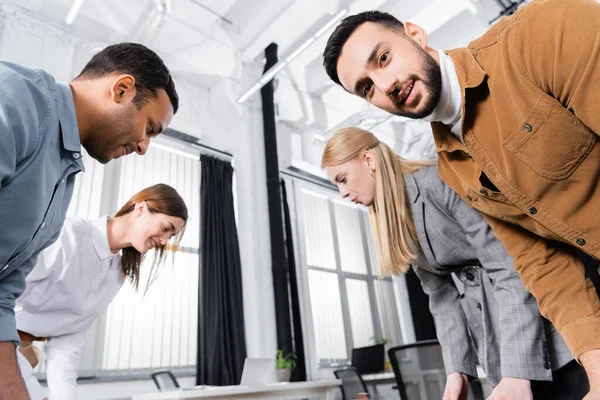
(369, 360)
(258, 371)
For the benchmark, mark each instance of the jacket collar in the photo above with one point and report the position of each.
(412, 190)
(425, 257)
(470, 74)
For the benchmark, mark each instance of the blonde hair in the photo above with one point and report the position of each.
(391, 222)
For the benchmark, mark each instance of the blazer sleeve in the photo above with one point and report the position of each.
(450, 322)
(522, 336)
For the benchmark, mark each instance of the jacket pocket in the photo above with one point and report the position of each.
(551, 140)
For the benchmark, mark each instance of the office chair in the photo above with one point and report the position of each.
(352, 383)
(164, 380)
(420, 374)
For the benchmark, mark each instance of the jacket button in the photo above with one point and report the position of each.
(547, 365)
(533, 211)
(469, 198)
(479, 306)
(483, 192)
(527, 128)
(581, 241)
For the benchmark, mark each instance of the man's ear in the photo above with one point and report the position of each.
(122, 88)
(416, 33)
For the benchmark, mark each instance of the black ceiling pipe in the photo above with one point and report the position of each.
(508, 8)
(278, 253)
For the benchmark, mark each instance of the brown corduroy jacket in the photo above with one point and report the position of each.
(529, 158)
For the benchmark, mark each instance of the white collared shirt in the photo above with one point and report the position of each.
(448, 109)
(74, 280)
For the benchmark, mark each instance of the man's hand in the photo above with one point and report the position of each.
(591, 362)
(457, 387)
(11, 383)
(512, 389)
(594, 394)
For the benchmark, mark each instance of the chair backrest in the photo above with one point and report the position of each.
(352, 383)
(420, 374)
(164, 380)
(419, 370)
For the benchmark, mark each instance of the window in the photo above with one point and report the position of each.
(157, 329)
(347, 304)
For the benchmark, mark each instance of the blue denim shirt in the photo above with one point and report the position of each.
(40, 154)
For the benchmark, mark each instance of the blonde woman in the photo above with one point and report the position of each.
(418, 221)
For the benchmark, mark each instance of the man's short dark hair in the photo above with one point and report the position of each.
(345, 29)
(137, 60)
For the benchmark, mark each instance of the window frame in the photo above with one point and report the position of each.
(315, 365)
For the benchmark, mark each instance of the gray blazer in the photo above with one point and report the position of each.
(492, 310)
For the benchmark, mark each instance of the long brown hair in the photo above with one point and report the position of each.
(162, 199)
(391, 222)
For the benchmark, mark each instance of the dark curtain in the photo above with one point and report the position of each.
(221, 336)
(299, 373)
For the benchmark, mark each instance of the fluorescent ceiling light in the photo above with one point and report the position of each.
(175, 151)
(320, 137)
(72, 14)
(270, 74)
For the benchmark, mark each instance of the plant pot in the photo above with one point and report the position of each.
(283, 375)
(388, 366)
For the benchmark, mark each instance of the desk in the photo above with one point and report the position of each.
(278, 391)
(382, 378)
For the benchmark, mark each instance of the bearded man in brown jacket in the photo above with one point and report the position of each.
(516, 119)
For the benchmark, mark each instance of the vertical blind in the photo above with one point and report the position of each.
(349, 305)
(158, 329)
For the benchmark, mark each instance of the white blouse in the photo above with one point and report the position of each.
(74, 280)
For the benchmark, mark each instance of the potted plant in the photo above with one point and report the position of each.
(284, 363)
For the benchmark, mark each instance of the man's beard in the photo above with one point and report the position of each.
(109, 130)
(433, 83)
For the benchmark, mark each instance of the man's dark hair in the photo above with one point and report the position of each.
(137, 60)
(345, 29)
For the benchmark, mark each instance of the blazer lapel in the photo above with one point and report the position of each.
(425, 257)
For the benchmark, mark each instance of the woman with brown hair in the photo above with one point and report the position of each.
(418, 221)
(77, 277)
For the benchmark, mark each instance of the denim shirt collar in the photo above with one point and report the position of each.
(68, 119)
